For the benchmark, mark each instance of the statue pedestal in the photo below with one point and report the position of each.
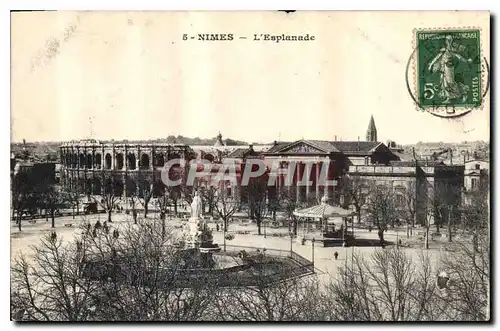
(198, 236)
(192, 232)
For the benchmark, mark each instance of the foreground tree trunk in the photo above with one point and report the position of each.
(381, 236)
(449, 229)
(163, 215)
(134, 215)
(109, 216)
(426, 241)
(52, 212)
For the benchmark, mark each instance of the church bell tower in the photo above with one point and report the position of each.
(371, 133)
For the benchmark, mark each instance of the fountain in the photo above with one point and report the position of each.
(199, 259)
(197, 235)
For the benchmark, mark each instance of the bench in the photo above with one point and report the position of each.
(32, 221)
(68, 224)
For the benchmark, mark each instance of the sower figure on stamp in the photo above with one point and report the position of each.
(444, 63)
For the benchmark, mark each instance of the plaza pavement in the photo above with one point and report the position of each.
(325, 263)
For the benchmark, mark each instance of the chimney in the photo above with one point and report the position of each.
(275, 143)
(250, 147)
(335, 137)
(451, 156)
(358, 143)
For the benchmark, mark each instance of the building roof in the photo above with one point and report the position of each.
(323, 146)
(348, 147)
(240, 153)
(478, 160)
(277, 146)
(422, 163)
(323, 210)
(402, 156)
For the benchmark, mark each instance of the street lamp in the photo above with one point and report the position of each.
(313, 240)
(267, 206)
(224, 232)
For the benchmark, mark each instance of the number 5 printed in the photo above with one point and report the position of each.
(429, 91)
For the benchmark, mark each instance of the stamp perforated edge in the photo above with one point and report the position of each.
(484, 80)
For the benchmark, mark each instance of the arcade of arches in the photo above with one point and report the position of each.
(124, 169)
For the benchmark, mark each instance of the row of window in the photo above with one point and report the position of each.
(89, 161)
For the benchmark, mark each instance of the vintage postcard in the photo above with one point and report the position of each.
(250, 166)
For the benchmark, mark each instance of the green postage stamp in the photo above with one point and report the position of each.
(448, 68)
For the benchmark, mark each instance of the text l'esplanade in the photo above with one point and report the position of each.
(456, 35)
(283, 37)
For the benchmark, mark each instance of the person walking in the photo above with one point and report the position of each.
(336, 255)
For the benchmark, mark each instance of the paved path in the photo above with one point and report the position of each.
(323, 256)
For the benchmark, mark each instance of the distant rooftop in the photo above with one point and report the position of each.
(346, 147)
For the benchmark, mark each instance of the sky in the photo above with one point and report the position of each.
(120, 75)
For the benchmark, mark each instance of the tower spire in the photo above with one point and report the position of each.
(371, 133)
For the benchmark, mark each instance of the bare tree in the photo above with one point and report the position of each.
(466, 296)
(73, 197)
(128, 274)
(289, 300)
(355, 191)
(225, 205)
(475, 213)
(388, 286)
(163, 203)
(288, 202)
(174, 192)
(381, 208)
(23, 196)
(182, 192)
(257, 199)
(111, 192)
(408, 211)
(50, 196)
(146, 191)
(209, 194)
(134, 199)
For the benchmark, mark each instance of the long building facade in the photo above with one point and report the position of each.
(87, 167)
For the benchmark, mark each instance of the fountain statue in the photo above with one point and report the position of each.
(196, 232)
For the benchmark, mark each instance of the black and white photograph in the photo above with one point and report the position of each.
(250, 166)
